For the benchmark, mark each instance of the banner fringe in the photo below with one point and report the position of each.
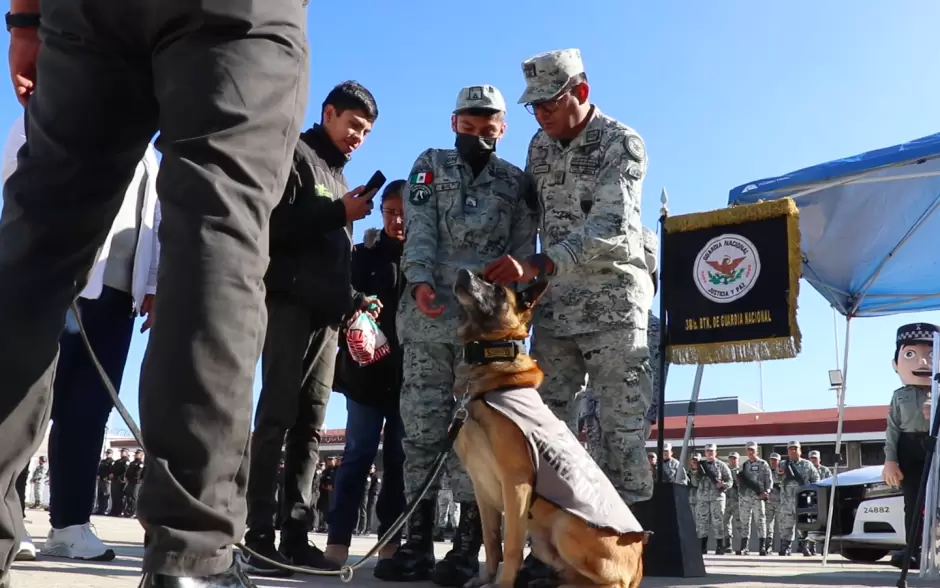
(733, 215)
(735, 352)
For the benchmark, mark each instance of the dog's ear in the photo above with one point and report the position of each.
(528, 297)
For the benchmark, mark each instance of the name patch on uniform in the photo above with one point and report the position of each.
(592, 136)
(500, 173)
(419, 194)
(559, 178)
(755, 467)
(542, 168)
(451, 160)
(634, 170)
(584, 166)
(444, 186)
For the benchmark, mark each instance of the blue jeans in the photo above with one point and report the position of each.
(363, 433)
(81, 406)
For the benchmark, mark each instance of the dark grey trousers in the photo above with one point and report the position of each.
(225, 84)
(297, 371)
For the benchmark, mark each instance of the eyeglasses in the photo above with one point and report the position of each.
(393, 213)
(548, 106)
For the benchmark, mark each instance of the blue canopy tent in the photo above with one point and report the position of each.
(869, 227)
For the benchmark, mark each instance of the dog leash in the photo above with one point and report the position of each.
(346, 572)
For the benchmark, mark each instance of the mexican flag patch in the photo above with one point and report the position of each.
(422, 178)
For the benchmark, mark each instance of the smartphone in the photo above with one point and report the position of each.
(375, 183)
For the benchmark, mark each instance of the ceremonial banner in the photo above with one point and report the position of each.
(730, 281)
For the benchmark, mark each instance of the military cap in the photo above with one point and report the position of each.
(697, 456)
(734, 454)
(711, 446)
(667, 446)
(651, 248)
(485, 97)
(793, 444)
(547, 74)
(140, 451)
(751, 445)
(774, 456)
(916, 333)
(814, 453)
(651, 454)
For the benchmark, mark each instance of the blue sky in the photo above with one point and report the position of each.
(722, 93)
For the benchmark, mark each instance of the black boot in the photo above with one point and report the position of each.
(804, 548)
(784, 547)
(743, 548)
(719, 547)
(462, 563)
(534, 570)
(764, 546)
(414, 560)
(231, 578)
(727, 544)
(704, 545)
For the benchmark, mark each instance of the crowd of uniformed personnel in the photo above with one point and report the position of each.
(739, 499)
(119, 483)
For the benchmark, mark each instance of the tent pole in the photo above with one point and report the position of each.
(835, 466)
(690, 418)
(928, 558)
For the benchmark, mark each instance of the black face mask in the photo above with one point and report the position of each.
(474, 149)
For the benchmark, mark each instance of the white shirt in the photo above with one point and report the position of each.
(147, 256)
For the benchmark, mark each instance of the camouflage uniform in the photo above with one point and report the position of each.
(824, 472)
(593, 320)
(750, 506)
(673, 471)
(731, 520)
(772, 508)
(694, 480)
(710, 510)
(453, 220)
(789, 486)
(447, 507)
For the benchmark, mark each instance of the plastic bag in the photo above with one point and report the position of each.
(366, 341)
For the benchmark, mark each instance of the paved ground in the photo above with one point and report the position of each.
(725, 572)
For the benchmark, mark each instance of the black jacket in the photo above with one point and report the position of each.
(104, 468)
(375, 272)
(311, 242)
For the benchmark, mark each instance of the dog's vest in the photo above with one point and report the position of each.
(565, 475)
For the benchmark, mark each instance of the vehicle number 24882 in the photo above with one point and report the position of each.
(876, 509)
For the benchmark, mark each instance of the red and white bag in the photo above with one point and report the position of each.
(367, 343)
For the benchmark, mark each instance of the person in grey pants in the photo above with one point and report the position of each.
(225, 84)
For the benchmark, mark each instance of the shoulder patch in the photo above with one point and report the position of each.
(323, 191)
(635, 147)
(451, 160)
(419, 194)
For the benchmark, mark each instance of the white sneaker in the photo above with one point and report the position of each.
(76, 542)
(27, 550)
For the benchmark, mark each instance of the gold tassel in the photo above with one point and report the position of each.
(758, 349)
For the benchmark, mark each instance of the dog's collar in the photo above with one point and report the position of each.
(485, 352)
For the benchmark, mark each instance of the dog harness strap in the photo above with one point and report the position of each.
(484, 352)
(565, 475)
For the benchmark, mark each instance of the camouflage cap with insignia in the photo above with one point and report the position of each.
(667, 446)
(711, 446)
(734, 454)
(775, 456)
(484, 97)
(814, 453)
(547, 74)
(793, 444)
(751, 445)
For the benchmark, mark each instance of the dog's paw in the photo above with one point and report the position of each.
(479, 583)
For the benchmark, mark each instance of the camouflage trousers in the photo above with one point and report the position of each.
(731, 520)
(429, 371)
(786, 520)
(448, 511)
(751, 510)
(770, 510)
(615, 364)
(710, 516)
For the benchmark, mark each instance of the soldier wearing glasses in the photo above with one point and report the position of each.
(592, 323)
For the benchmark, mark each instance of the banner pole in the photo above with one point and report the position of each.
(663, 342)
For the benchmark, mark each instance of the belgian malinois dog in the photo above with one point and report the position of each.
(525, 463)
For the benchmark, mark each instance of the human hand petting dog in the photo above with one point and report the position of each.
(425, 298)
(507, 270)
